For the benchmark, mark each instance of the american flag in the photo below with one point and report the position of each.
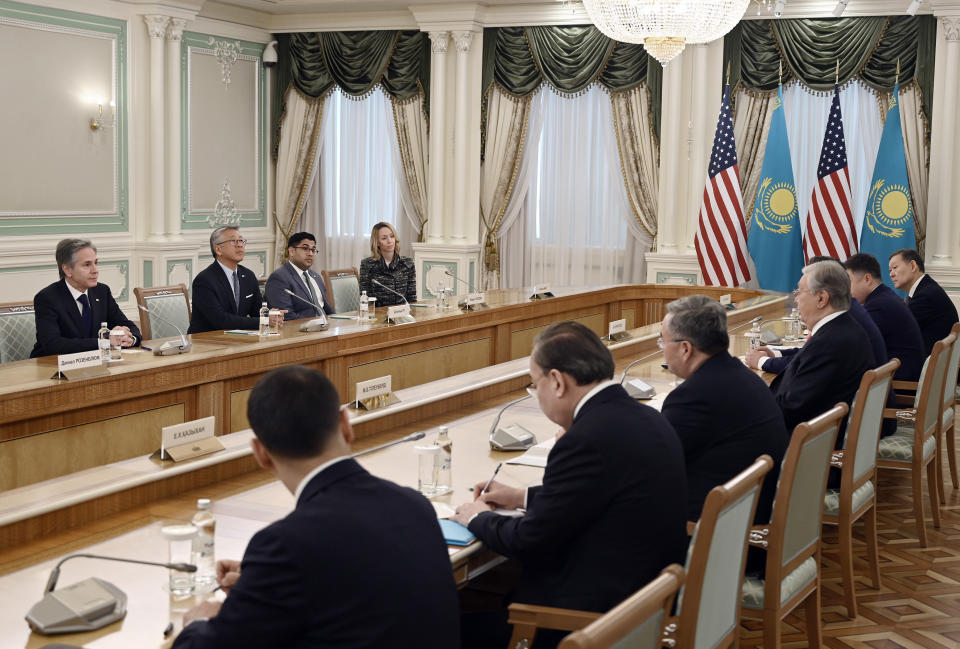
(721, 239)
(830, 229)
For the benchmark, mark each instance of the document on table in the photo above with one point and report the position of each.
(535, 455)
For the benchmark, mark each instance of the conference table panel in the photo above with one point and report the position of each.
(131, 404)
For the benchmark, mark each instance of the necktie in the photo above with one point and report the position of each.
(236, 290)
(313, 293)
(86, 315)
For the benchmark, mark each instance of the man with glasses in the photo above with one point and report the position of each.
(609, 515)
(829, 367)
(723, 413)
(297, 276)
(226, 295)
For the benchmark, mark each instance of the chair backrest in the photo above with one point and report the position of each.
(343, 289)
(635, 623)
(710, 608)
(798, 506)
(166, 303)
(18, 331)
(930, 388)
(863, 429)
(953, 364)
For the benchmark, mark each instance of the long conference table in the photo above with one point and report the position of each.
(419, 356)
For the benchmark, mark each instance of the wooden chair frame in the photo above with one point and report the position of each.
(930, 392)
(683, 627)
(846, 516)
(328, 274)
(598, 630)
(771, 538)
(142, 293)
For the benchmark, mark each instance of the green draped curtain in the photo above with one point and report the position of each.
(569, 58)
(809, 48)
(315, 62)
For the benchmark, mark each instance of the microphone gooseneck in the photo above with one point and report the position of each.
(55, 573)
(402, 296)
(496, 420)
(634, 362)
(184, 345)
(318, 307)
(462, 281)
(412, 437)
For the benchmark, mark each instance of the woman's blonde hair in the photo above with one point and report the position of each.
(375, 235)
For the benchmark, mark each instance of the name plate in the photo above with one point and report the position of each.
(375, 393)
(80, 365)
(541, 291)
(189, 439)
(617, 330)
(475, 298)
(394, 312)
(725, 299)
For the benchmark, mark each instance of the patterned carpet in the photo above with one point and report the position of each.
(919, 603)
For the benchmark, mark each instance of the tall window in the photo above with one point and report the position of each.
(573, 230)
(355, 183)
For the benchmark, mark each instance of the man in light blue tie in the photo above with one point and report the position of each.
(297, 276)
(226, 295)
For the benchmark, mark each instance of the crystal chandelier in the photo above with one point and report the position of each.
(664, 27)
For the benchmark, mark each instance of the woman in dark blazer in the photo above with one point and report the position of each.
(387, 266)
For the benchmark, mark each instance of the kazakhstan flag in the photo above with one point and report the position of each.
(888, 221)
(775, 241)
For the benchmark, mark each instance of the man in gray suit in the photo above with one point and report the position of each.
(296, 276)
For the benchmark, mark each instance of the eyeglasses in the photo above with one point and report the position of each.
(306, 249)
(236, 242)
(661, 343)
(532, 390)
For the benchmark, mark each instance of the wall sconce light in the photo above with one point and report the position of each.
(99, 122)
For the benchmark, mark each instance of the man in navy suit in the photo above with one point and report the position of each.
(610, 514)
(68, 313)
(775, 361)
(900, 331)
(930, 305)
(226, 295)
(829, 367)
(360, 562)
(724, 414)
(297, 276)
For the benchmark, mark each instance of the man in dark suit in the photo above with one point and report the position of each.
(226, 295)
(775, 361)
(900, 331)
(829, 367)
(68, 313)
(930, 305)
(724, 414)
(609, 515)
(297, 276)
(360, 562)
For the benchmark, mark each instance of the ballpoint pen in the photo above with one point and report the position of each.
(490, 481)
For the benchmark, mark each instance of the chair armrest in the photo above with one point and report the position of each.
(758, 536)
(905, 385)
(548, 617)
(900, 415)
(903, 400)
(836, 459)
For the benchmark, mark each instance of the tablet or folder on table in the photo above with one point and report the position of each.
(455, 533)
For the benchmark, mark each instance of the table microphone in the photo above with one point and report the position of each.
(636, 388)
(748, 323)
(317, 324)
(170, 347)
(514, 437)
(87, 605)
(404, 319)
(463, 301)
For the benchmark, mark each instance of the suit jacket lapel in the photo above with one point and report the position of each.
(98, 307)
(225, 287)
(298, 286)
(72, 308)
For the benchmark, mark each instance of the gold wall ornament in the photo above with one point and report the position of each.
(665, 27)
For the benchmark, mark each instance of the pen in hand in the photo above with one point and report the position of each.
(486, 487)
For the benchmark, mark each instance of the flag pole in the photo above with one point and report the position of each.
(780, 73)
(728, 72)
(836, 79)
(896, 79)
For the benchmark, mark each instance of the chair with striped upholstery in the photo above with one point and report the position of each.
(166, 303)
(18, 331)
(914, 446)
(792, 539)
(343, 289)
(857, 496)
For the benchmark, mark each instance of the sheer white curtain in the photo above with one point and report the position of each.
(575, 226)
(806, 114)
(356, 184)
